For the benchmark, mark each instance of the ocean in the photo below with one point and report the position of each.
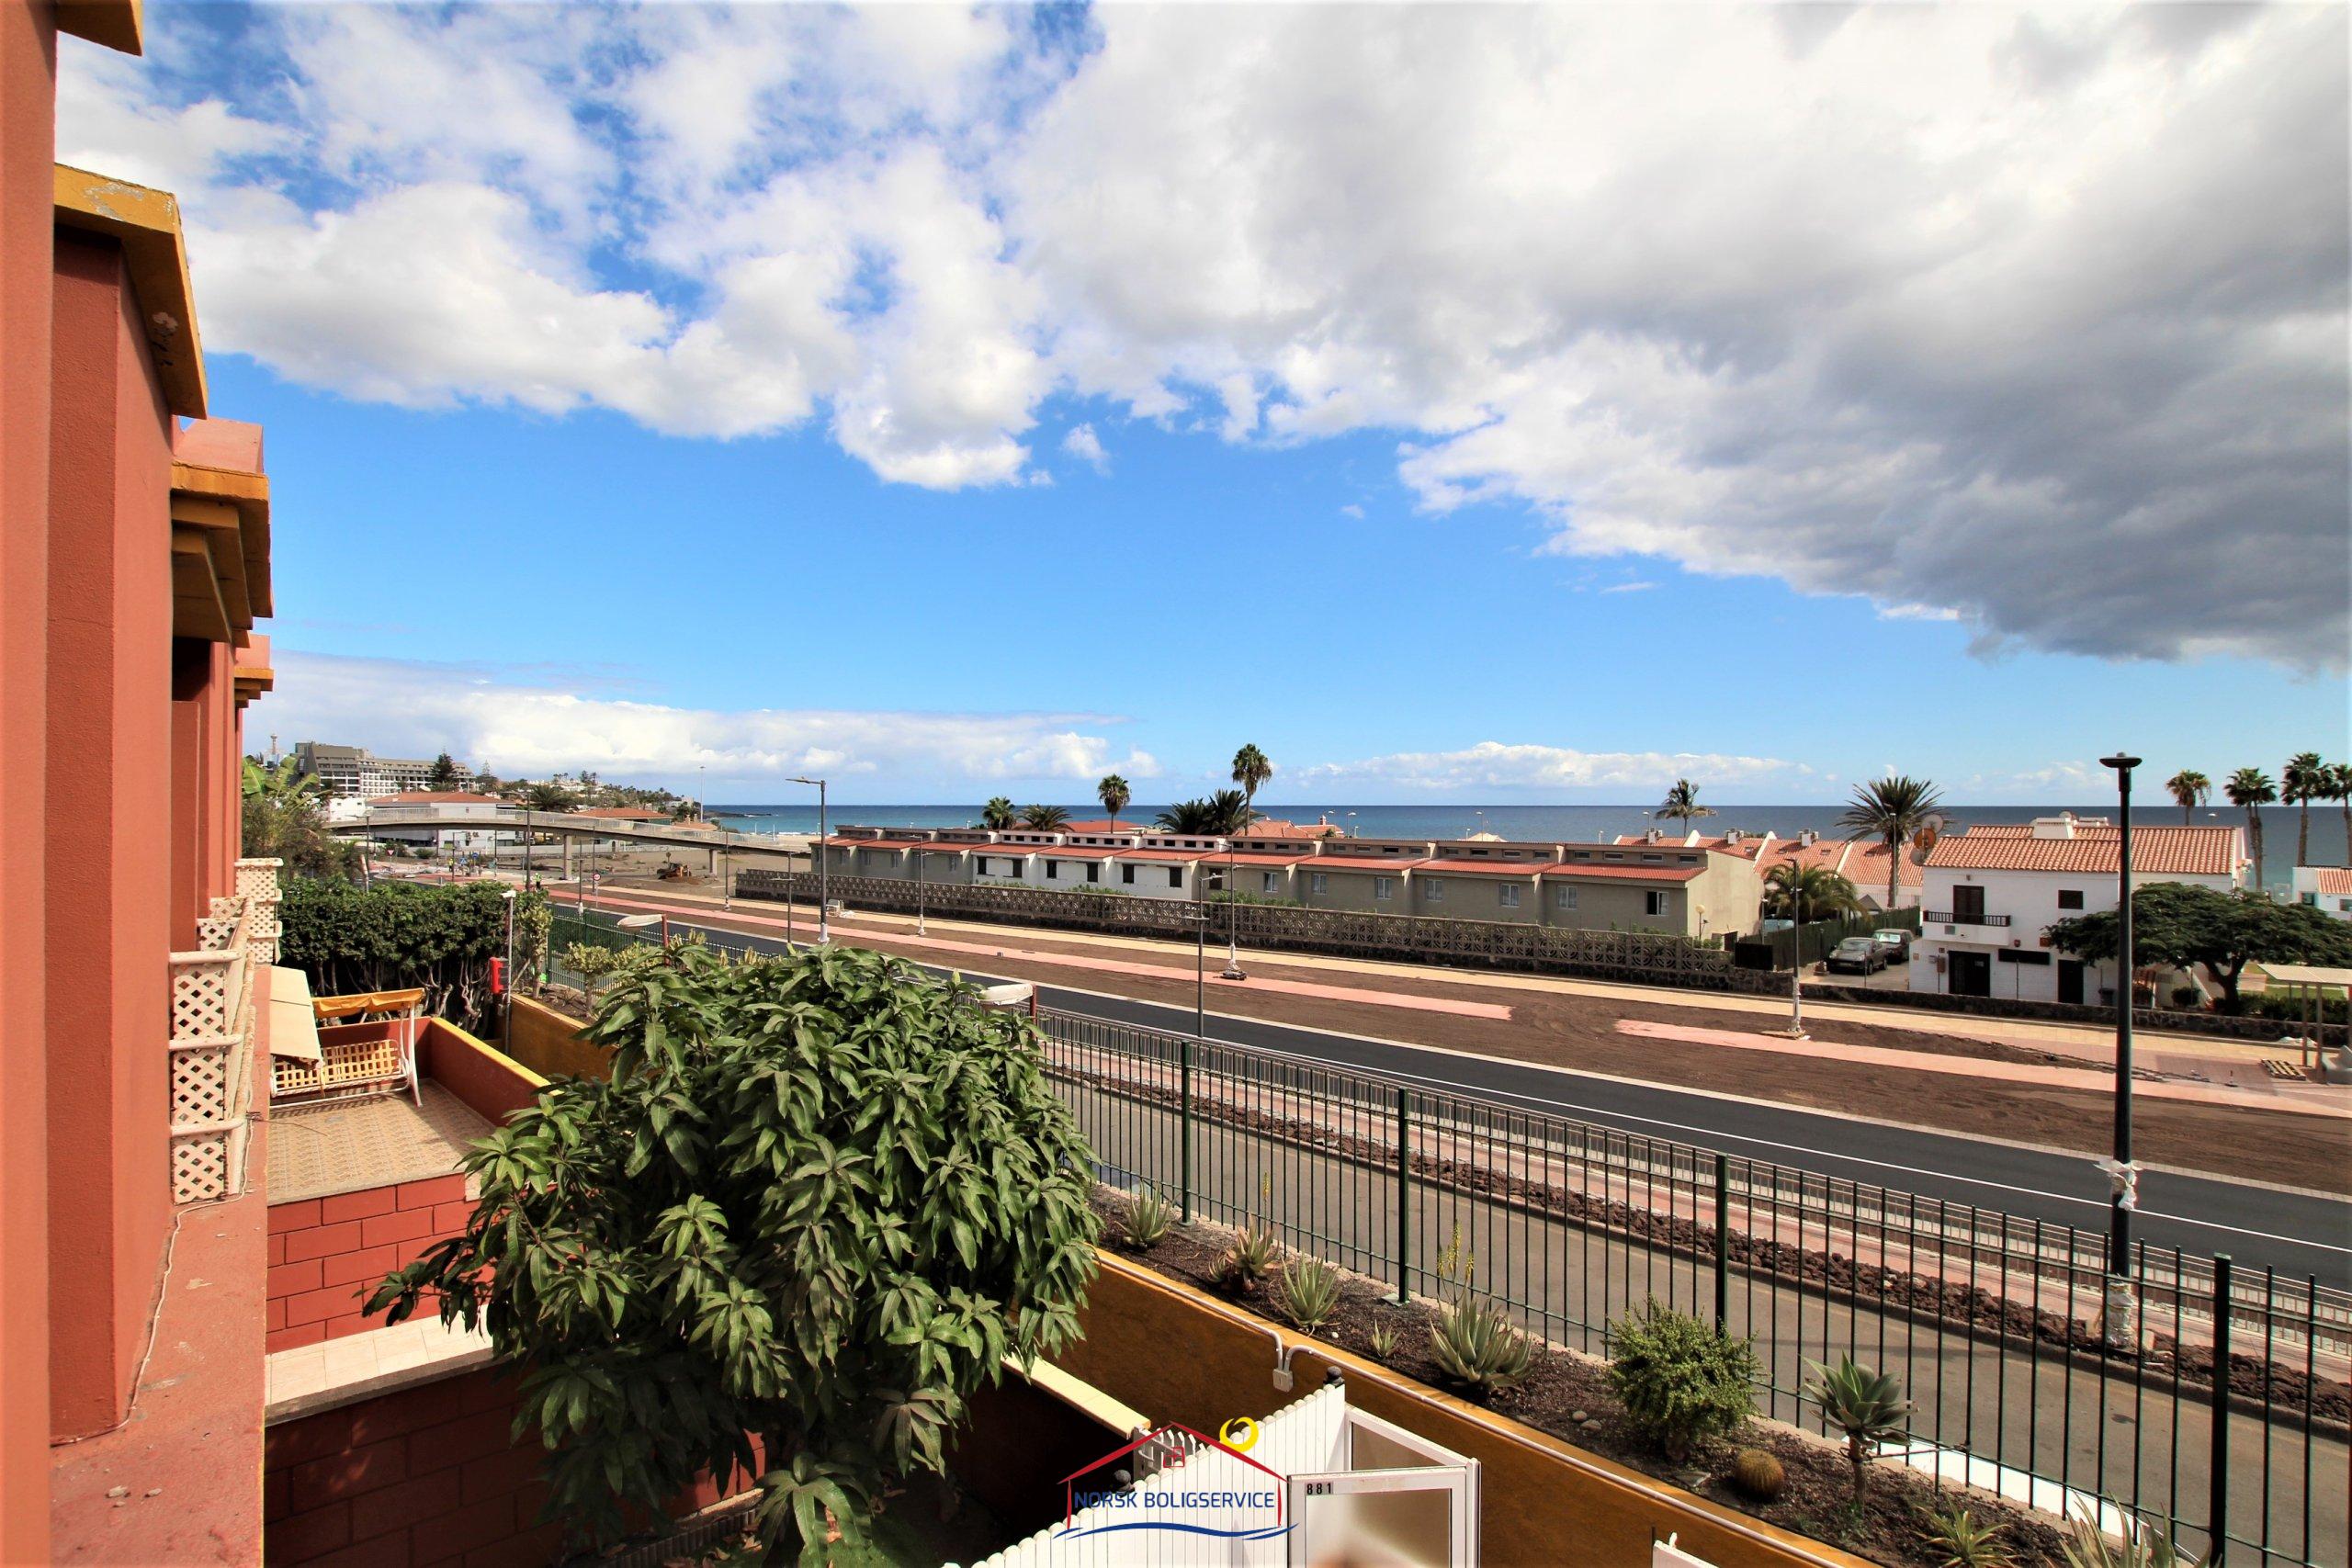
(1588, 823)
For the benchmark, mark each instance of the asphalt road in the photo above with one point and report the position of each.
(2303, 1235)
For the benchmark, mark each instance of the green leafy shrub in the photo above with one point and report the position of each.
(1759, 1473)
(1681, 1380)
(1476, 1344)
(1149, 1217)
(815, 1205)
(1958, 1538)
(1865, 1405)
(1310, 1292)
(348, 939)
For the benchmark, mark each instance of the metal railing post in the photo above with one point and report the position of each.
(2219, 1467)
(1185, 1125)
(1723, 1239)
(1404, 1196)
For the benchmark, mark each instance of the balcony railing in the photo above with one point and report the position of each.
(1947, 918)
(213, 997)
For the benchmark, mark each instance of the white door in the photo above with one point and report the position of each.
(1393, 1500)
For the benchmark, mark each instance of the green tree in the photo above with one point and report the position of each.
(818, 1203)
(549, 796)
(1801, 893)
(1044, 819)
(284, 816)
(999, 814)
(1893, 809)
(1250, 770)
(2180, 923)
(2191, 789)
(1682, 803)
(1113, 793)
(2251, 789)
(2304, 780)
(397, 934)
(445, 773)
(1219, 816)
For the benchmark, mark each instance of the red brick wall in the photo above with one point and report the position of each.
(327, 1253)
(425, 1475)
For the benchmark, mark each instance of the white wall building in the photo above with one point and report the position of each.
(474, 825)
(1990, 893)
(2327, 888)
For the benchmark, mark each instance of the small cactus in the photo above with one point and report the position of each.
(1383, 1339)
(1759, 1474)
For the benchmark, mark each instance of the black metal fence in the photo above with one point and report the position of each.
(1992, 1321)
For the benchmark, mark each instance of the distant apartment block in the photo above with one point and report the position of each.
(1663, 886)
(354, 770)
(1992, 892)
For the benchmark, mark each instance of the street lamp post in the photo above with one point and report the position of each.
(507, 1002)
(2123, 1315)
(1233, 921)
(824, 881)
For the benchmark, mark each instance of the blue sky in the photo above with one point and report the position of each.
(866, 411)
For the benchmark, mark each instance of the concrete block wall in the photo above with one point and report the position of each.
(326, 1255)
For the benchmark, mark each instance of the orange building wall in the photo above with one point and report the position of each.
(107, 925)
(28, 91)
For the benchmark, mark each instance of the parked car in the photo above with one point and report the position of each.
(1895, 939)
(1857, 955)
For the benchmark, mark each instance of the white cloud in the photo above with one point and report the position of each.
(1490, 764)
(1629, 588)
(1996, 315)
(1083, 444)
(527, 722)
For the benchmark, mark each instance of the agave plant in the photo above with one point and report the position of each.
(1382, 1340)
(1958, 1538)
(2141, 1543)
(1149, 1217)
(1310, 1292)
(1476, 1344)
(1866, 1404)
(1251, 1257)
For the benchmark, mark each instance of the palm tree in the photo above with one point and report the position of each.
(1895, 808)
(1682, 802)
(2339, 785)
(999, 812)
(1250, 769)
(2191, 789)
(1221, 815)
(1113, 793)
(2303, 781)
(1807, 892)
(1043, 819)
(2251, 788)
(548, 797)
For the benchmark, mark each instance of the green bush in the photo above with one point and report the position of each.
(1681, 1380)
(819, 1202)
(348, 939)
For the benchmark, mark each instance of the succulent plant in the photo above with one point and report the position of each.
(1958, 1538)
(1251, 1257)
(1866, 1404)
(1149, 1217)
(1759, 1474)
(1310, 1292)
(1476, 1344)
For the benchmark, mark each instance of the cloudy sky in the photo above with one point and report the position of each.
(1459, 403)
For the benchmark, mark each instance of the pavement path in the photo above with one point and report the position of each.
(2300, 1234)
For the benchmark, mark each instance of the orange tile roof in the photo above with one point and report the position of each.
(1366, 862)
(1485, 867)
(1258, 857)
(1186, 856)
(2161, 851)
(1628, 872)
(2332, 879)
(622, 814)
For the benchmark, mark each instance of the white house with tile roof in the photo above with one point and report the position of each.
(1990, 893)
(2327, 888)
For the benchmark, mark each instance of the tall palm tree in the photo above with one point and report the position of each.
(2251, 788)
(2191, 789)
(2339, 785)
(548, 797)
(1250, 769)
(1044, 819)
(1807, 892)
(1113, 793)
(1895, 808)
(2303, 781)
(999, 814)
(1682, 801)
(1221, 815)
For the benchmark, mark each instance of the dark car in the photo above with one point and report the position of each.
(1857, 955)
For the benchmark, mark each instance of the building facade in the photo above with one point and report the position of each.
(2327, 888)
(356, 771)
(1992, 892)
(1685, 889)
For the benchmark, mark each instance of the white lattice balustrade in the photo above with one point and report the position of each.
(213, 991)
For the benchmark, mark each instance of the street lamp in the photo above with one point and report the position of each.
(824, 883)
(507, 1001)
(1233, 920)
(2123, 1315)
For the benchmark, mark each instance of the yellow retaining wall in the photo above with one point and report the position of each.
(1176, 1354)
(548, 1043)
